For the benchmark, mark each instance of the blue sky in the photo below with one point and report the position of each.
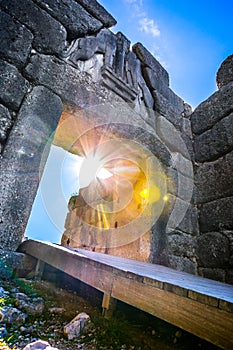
(190, 39)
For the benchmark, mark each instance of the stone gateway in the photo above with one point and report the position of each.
(67, 79)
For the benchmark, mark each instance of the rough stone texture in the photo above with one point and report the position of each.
(69, 83)
(182, 264)
(5, 122)
(16, 40)
(213, 273)
(225, 72)
(164, 107)
(11, 261)
(148, 60)
(213, 250)
(77, 326)
(21, 162)
(219, 181)
(216, 215)
(13, 86)
(182, 216)
(171, 136)
(98, 11)
(215, 142)
(39, 345)
(216, 107)
(182, 245)
(11, 315)
(77, 21)
(49, 34)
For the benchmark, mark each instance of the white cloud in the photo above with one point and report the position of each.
(148, 26)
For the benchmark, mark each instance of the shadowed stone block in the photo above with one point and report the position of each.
(13, 85)
(213, 250)
(21, 163)
(98, 11)
(77, 21)
(68, 82)
(216, 107)
(182, 245)
(216, 215)
(11, 261)
(167, 109)
(212, 273)
(214, 180)
(149, 60)
(182, 264)
(16, 40)
(225, 72)
(49, 34)
(215, 142)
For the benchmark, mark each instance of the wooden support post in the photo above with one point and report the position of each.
(108, 305)
(39, 270)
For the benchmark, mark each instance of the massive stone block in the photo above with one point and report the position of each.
(182, 245)
(148, 60)
(225, 72)
(13, 85)
(98, 11)
(215, 142)
(22, 162)
(167, 109)
(68, 82)
(49, 34)
(214, 180)
(216, 107)
(216, 215)
(213, 250)
(77, 21)
(16, 40)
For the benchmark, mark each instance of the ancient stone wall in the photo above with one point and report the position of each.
(30, 109)
(59, 59)
(212, 125)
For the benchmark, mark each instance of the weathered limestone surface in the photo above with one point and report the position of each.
(13, 86)
(16, 40)
(23, 160)
(67, 12)
(150, 61)
(49, 34)
(98, 11)
(182, 264)
(11, 261)
(219, 181)
(64, 80)
(215, 142)
(225, 72)
(216, 215)
(213, 250)
(216, 107)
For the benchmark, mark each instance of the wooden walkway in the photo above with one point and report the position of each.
(200, 306)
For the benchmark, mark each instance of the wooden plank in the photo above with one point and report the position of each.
(165, 275)
(205, 321)
(77, 266)
(201, 306)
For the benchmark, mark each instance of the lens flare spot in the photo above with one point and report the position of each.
(153, 193)
(144, 193)
(166, 198)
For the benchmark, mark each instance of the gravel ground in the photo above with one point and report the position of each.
(128, 329)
